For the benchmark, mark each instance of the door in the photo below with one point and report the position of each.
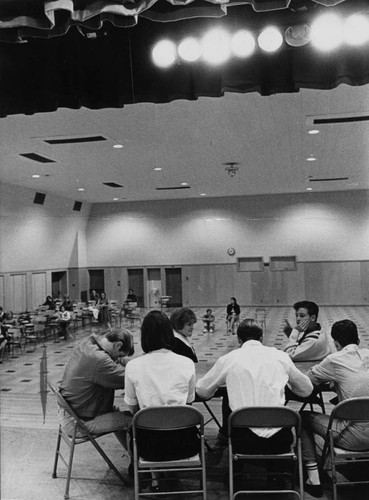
(38, 289)
(135, 281)
(97, 280)
(58, 284)
(173, 278)
(18, 301)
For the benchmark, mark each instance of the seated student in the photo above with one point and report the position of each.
(255, 375)
(182, 321)
(67, 303)
(348, 371)
(159, 378)
(208, 320)
(131, 297)
(63, 317)
(233, 314)
(50, 303)
(306, 340)
(94, 297)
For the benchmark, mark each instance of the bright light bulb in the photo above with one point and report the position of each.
(242, 43)
(189, 49)
(216, 46)
(313, 131)
(35, 176)
(164, 53)
(327, 32)
(270, 39)
(356, 30)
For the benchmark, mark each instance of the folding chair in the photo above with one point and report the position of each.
(15, 340)
(166, 419)
(267, 494)
(355, 410)
(79, 435)
(260, 317)
(315, 398)
(259, 416)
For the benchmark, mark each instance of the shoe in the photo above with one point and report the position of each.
(205, 330)
(222, 440)
(211, 330)
(314, 490)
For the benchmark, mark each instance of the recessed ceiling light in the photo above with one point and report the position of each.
(81, 189)
(311, 158)
(314, 131)
(115, 199)
(202, 194)
(118, 146)
(157, 169)
(309, 189)
(35, 176)
(184, 183)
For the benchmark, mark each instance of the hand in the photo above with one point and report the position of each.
(287, 329)
(303, 325)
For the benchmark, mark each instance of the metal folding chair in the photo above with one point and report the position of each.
(355, 410)
(166, 419)
(79, 435)
(267, 417)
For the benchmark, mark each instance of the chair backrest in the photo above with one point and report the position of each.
(264, 416)
(160, 418)
(354, 409)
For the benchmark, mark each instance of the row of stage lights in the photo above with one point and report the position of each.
(326, 33)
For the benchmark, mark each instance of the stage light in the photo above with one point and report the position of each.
(327, 32)
(216, 46)
(164, 53)
(270, 39)
(189, 49)
(356, 29)
(242, 43)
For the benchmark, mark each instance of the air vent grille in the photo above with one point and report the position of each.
(36, 157)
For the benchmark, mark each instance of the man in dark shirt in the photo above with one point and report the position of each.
(89, 382)
(131, 297)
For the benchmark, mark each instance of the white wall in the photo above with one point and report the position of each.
(38, 237)
(313, 226)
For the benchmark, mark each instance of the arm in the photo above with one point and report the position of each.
(299, 383)
(109, 374)
(192, 388)
(214, 378)
(322, 372)
(304, 351)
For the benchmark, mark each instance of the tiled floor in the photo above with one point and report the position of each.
(29, 419)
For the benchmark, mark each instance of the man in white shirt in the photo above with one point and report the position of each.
(348, 371)
(256, 375)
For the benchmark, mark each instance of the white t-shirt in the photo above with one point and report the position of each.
(160, 378)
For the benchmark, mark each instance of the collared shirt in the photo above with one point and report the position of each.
(90, 378)
(255, 375)
(160, 378)
(348, 369)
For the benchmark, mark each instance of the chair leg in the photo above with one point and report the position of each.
(70, 464)
(107, 460)
(54, 474)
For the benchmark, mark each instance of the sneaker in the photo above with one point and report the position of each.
(211, 330)
(205, 330)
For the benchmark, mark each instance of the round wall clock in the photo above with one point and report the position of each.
(231, 251)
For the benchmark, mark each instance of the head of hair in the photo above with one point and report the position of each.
(180, 317)
(311, 307)
(249, 329)
(209, 310)
(156, 332)
(234, 299)
(124, 336)
(345, 332)
(9, 315)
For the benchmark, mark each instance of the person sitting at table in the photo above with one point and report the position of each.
(306, 340)
(182, 321)
(233, 314)
(131, 297)
(208, 320)
(255, 375)
(94, 297)
(147, 384)
(49, 302)
(67, 303)
(348, 372)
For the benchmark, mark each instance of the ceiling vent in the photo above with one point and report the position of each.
(36, 157)
(75, 140)
(113, 184)
(330, 179)
(172, 188)
(335, 119)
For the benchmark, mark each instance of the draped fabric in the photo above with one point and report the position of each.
(47, 18)
(115, 68)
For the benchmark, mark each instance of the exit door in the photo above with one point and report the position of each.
(173, 278)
